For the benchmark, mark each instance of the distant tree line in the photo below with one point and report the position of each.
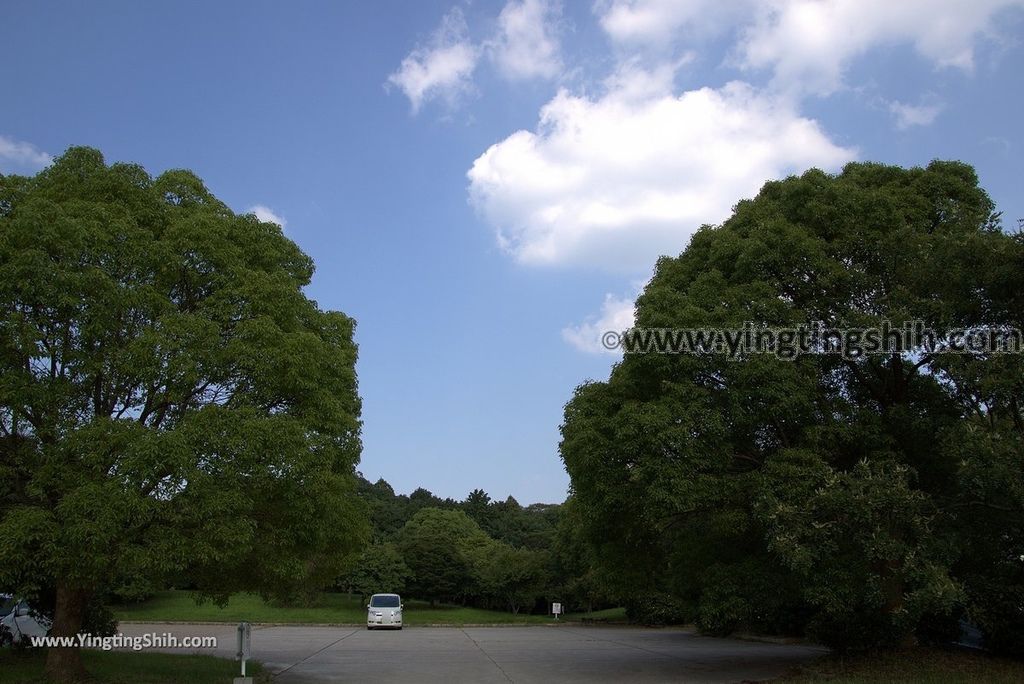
(479, 552)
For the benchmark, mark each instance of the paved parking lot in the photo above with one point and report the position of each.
(308, 655)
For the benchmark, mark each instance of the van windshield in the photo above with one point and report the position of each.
(6, 605)
(385, 601)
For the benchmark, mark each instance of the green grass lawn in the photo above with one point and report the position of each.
(605, 615)
(114, 667)
(178, 606)
(919, 665)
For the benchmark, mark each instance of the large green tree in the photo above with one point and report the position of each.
(171, 403)
(442, 549)
(853, 496)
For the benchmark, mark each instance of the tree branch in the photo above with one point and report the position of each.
(880, 398)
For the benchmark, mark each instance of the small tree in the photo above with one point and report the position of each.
(379, 569)
(513, 577)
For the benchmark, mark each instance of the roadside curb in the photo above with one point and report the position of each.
(782, 641)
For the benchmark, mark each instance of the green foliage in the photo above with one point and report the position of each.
(379, 569)
(450, 558)
(390, 511)
(849, 497)
(439, 547)
(576, 575)
(505, 521)
(478, 507)
(989, 508)
(658, 608)
(752, 593)
(512, 577)
(331, 608)
(171, 403)
(862, 545)
(98, 618)
(450, 548)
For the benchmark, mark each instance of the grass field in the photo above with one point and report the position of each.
(109, 667)
(606, 615)
(178, 606)
(919, 665)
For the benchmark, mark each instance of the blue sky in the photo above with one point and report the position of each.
(485, 186)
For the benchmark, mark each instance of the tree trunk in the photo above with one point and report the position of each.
(64, 664)
(893, 588)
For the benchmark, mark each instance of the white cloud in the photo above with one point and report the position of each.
(658, 22)
(265, 213)
(809, 43)
(443, 69)
(16, 155)
(526, 45)
(616, 181)
(617, 315)
(913, 115)
(631, 81)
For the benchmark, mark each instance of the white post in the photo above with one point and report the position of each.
(244, 649)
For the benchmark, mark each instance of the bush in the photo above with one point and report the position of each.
(750, 595)
(656, 608)
(939, 629)
(855, 630)
(997, 609)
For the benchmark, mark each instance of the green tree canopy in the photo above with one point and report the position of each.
(441, 547)
(380, 569)
(171, 403)
(513, 578)
(575, 570)
(842, 495)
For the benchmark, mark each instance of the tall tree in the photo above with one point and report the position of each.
(827, 492)
(478, 507)
(387, 511)
(170, 400)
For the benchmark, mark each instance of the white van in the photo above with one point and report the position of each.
(384, 610)
(17, 623)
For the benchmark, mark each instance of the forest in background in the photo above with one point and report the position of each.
(480, 552)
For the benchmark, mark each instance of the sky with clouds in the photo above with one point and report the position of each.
(486, 186)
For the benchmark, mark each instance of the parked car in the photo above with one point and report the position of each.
(384, 610)
(17, 621)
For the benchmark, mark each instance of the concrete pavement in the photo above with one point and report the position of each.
(562, 653)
